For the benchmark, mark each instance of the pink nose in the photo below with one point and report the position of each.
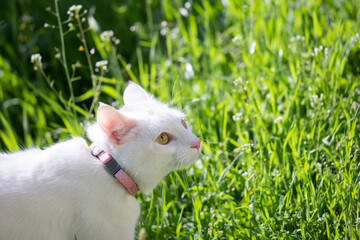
(197, 144)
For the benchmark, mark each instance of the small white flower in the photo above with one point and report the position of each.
(237, 117)
(236, 38)
(252, 47)
(184, 12)
(277, 120)
(101, 63)
(225, 3)
(136, 27)
(164, 24)
(280, 53)
(74, 9)
(238, 81)
(174, 33)
(163, 31)
(188, 5)
(106, 36)
(92, 51)
(36, 60)
(189, 71)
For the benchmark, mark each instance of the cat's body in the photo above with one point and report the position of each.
(64, 191)
(44, 201)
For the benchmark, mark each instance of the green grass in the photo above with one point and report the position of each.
(274, 94)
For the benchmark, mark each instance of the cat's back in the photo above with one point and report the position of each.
(31, 165)
(14, 165)
(31, 173)
(7, 159)
(35, 190)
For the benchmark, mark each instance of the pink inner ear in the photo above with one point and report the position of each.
(115, 125)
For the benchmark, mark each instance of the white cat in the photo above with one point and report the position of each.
(64, 191)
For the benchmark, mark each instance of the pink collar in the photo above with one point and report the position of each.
(114, 169)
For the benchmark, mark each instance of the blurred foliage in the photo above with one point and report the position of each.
(29, 27)
(23, 32)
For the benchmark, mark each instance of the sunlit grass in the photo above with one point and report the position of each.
(271, 87)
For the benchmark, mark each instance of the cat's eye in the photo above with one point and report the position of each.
(184, 123)
(163, 138)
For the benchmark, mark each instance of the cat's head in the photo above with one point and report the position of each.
(146, 137)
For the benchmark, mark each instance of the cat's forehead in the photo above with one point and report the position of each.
(153, 111)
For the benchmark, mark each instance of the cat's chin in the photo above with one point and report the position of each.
(187, 158)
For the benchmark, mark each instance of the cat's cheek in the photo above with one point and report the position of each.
(187, 157)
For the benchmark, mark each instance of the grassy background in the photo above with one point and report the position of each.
(271, 87)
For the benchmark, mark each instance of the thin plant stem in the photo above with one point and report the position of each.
(51, 85)
(63, 56)
(149, 16)
(95, 86)
(86, 50)
(96, 94)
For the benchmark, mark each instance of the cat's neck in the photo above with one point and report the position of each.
(146, 179)
(114, 169)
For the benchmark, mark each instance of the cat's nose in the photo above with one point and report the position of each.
(196, 144)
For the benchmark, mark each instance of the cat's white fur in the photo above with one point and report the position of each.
(63, 191)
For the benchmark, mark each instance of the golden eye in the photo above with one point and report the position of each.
(163, 138)
(184, 123)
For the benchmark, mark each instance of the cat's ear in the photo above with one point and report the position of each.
(114, 124)
(134, 94)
